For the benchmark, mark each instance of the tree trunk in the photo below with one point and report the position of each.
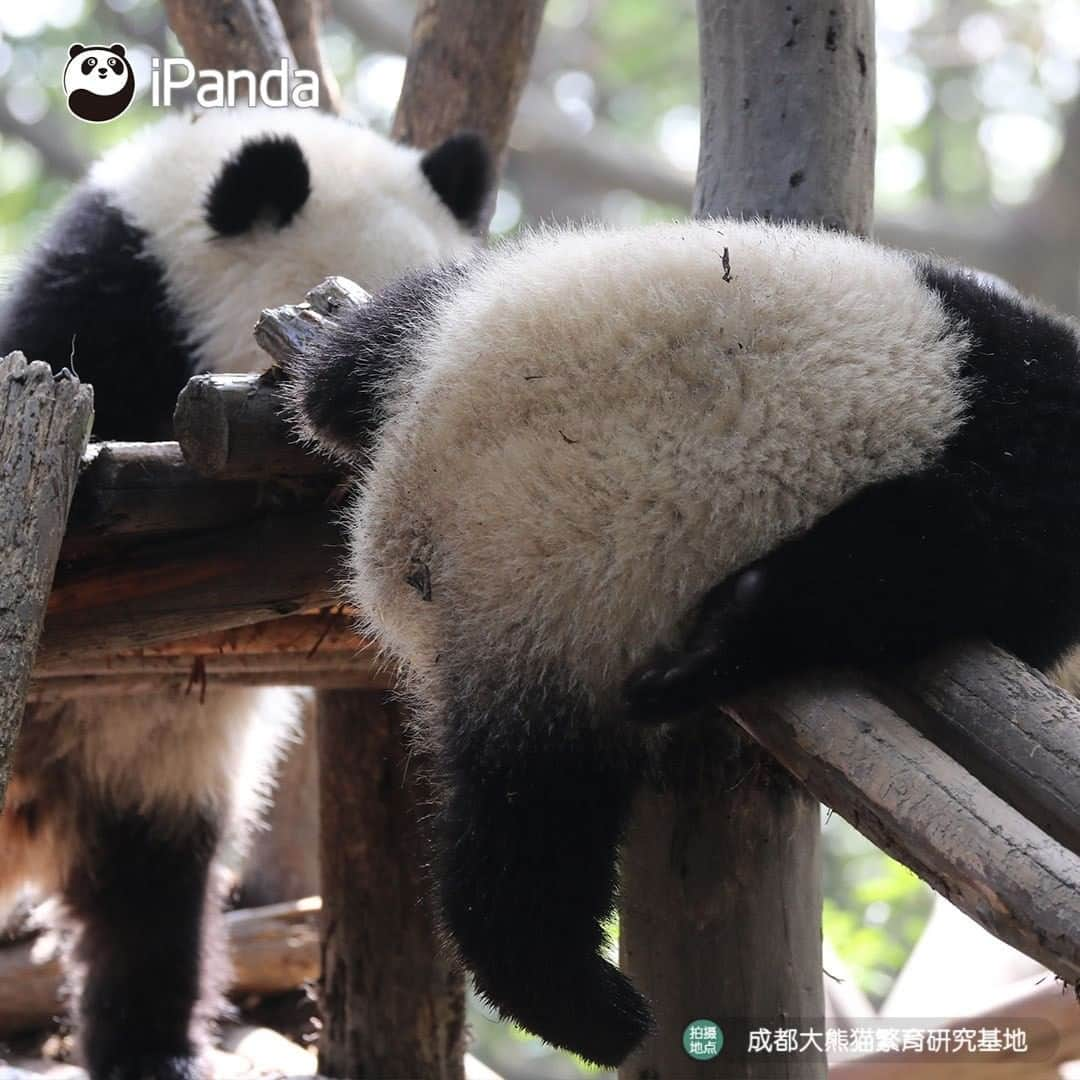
(44, 426)
(393, 1004)
(721, 910)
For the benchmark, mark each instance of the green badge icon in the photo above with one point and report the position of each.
(702, 1039)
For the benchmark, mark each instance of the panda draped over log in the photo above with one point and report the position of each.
(156, 268)
(608, 476)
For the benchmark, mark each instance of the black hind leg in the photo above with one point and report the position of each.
(534, 806)
(145, 909)
(884, 579)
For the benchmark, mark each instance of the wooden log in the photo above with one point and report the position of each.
(787, 112)
(179, 586)
(918, 804)
(272, 949)
(722, 890)
(229, 426)
(467, 67)
(392, 1003)
(1009, 726)
(44, 425)
(128, 491)
(301, 21)
(230, 34)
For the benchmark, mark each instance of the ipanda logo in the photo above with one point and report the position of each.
(100, 84)
(98, 81)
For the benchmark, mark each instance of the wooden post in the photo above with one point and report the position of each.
(391, 1006)
(393, 1003)
(44, 426)
(721, 910)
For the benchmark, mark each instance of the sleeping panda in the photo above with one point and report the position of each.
(617, 475)
(156, 268)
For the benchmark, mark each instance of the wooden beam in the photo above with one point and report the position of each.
(177, 586)
(44, 425)
(466, 69)
(230, 426)
(1009, 726)
(918, 804)
(230, 34)
(393, 1002)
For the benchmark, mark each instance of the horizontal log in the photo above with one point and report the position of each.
(177, 586)
(273, 949)
(318, 648)
(229, 426)
(922, 807)
(129, 491)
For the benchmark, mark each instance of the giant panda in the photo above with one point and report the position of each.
(606, 476)
(155, 268)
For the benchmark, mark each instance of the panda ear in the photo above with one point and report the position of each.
(268, 178)
(462, 173)
(75, 50)
(117, 48)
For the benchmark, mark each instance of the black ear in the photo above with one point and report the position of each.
(117, 48)
(75, 50)
(462, 173)
(267, 178)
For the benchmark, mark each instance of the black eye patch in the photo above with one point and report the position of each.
(88, 65)
(114, 63)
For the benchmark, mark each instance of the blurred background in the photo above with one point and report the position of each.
(978, 158)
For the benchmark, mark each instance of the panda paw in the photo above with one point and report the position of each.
(717, 659)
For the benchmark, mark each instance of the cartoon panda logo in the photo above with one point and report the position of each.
(98, 81)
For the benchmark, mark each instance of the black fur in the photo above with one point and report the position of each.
(462, 173)
(337, 390)
(92, 298)
(267, 179)
(525, 845)
(143, 900)
(982, 543)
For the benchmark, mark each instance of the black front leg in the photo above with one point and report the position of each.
(147, 918)
(535, 801)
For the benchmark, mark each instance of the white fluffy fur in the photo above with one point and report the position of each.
(371, 216)
(601, 427)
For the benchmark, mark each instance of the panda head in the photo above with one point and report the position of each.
(98, 81)
(250, 208)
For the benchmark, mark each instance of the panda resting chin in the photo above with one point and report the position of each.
(156, 267)
(631, 483)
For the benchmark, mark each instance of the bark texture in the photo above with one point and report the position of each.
(393, 1004)
(44, 426)
(787, 112)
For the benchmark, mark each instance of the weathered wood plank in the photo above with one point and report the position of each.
(44, 426)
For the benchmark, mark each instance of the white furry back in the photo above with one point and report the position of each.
(603, 427)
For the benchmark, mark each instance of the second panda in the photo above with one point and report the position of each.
(614, 474)
(155, 268)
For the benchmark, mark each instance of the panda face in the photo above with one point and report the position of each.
(261, 204)
(98, 81)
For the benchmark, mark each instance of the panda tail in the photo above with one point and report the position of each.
(526, 841)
